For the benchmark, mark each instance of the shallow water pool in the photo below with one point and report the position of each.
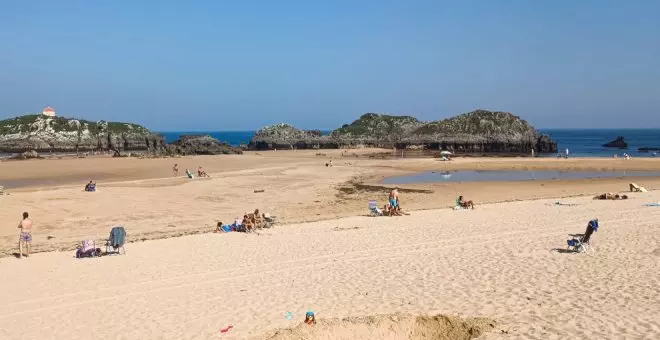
(503, 176)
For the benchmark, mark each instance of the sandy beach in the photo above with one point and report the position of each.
(498, 262)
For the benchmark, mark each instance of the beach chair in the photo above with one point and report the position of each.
(374, 210)
(269, 220)
(88, 248)
(115, 243)
(581, 243)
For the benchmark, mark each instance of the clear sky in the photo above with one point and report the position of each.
(239, 65)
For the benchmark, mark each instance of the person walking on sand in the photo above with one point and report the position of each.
(175, 170)
(25, 236)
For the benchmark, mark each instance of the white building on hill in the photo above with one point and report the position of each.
(49, 111)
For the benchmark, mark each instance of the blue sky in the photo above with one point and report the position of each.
(239, 65)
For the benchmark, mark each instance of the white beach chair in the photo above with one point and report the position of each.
(374, 210)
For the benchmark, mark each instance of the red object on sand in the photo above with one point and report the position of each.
(225, 330)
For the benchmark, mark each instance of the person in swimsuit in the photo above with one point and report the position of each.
(175, 170)
(25, 236)
(394, 198)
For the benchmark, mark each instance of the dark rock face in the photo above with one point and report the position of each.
(475, 132)
(619, 142)
(58, 134)
(201, 145)
(647, 149)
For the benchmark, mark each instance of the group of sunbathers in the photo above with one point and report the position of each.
(200, 172)
(393, 207)
(610, 196)
(249, 223)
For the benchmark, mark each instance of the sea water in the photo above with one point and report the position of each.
(580, 142)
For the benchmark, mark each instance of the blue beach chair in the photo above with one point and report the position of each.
(581, 244)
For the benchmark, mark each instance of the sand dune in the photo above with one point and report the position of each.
(498, 261)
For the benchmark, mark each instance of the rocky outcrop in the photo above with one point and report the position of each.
(201, 145)
(31, 154)
(475, 132)
(58, 134)
(648, 149)
(372, 129)
(619, 142)
(285, 136)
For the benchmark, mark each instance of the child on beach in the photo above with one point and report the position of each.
(25, 236)
(310, 319)
(175, 170)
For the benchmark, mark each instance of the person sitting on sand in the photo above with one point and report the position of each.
(257, 219)
(464, 204)
(91, 186)
(389, 210)
(175, 170)
(201, 172)
(247, 223)
(189, 174)
(25, 236)
(310, 319)
(399, 211)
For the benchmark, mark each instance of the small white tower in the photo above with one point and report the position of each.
(49, 111)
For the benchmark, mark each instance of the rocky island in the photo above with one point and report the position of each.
(43, 133)
(30, 135)
(619, 142)
(479, 131)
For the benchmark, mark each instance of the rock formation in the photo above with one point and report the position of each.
(648, 149)
(201, 145)
(619, 142)
(57, 134)
(285, 136)
(475, 132)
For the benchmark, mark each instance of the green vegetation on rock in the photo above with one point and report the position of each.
(28, 123)
(373, 123)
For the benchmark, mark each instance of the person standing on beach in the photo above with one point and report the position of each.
(394, 198)
(25, 236)
(175, 170)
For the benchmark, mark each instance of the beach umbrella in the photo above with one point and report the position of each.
(445, 152)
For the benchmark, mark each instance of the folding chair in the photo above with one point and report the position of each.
(374, 210)
(581, 244)
(115, 243)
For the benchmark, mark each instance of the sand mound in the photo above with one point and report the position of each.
(394, 326)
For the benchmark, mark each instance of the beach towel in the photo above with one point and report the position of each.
(565, 204)
(227, 228)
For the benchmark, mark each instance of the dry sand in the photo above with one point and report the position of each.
(496, 262)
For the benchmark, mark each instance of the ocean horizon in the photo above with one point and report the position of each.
(579, 142)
